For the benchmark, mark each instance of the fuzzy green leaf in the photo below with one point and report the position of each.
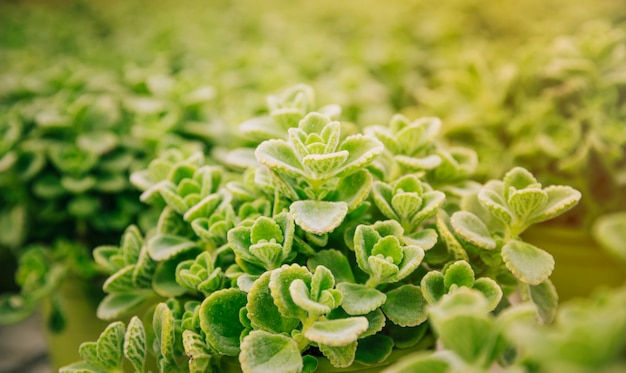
(110, 345)
(135, 343)
(318, 216)
(528, 263)
(263, 352)
(279, 156)
(339, 332)
(219, 320)
(200, 358)
(471, 229)
(280, 282)
(546, 299)
(115, 305)
(300, 295)
(340, 356)
(433, 286)
(494, 202)
(360, 299)
(490, 289)
(353, 189)
(164, 327)
(262, 311)
(362, 151)
(560, 199)
(405, 306)
(373, 349)
(459, 273)
(164, 246)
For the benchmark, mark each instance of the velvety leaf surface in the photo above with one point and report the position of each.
(527, 262)
(219, 319)
(318, 216)
(263, 352)
(359, 299)
(405, 306)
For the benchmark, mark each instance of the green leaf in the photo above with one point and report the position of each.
(263, 352)
(115, 305)
(340, 356)
(526, 202)
(318, 216)
(353, 189)
(494, 202)
(544, 296)
(490, 289)
(110, 345)
(120, 281)
(206, 207)
(135, 343)
(469, 336)
(262, 311)
(471, 229)
(277, 155)
(373, 349)
(528, 263)
(459, 273)
(88, 351)
(359, 299)
(518, 178)
(560, 200)
(335, 261)
(280, 282)
(164, 279)
(164, 327)
(405, 306)
(321, 166)
(200, 358)
(219, 320)
(300, 295)
(433, 286)
(339, 332)
(431, 202)
(165, 246)
(362, 151)
(81, 367)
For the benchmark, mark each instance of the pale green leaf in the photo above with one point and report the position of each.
(165, 246)
(546, 299)
(433, 286)
(471, 229)
(340, 356)
(318, 216)
(405, 306)
(362, 151)
(339, 332)
(459, 273)
(527, 263)
(200, 357)
(560, 200)
(279, 156)
(219, 320)
(263, 352)
(359, 299)
(262, 311)
(110, 345)
(135, 343)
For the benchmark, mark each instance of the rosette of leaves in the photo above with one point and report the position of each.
(488, 230)
(321, 174)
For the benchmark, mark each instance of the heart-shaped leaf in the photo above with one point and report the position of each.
(318, 216)
(405, 306)
(360, 299)
(263, 352)
(527, 263)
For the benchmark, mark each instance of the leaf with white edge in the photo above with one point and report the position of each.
(610, 232)
(335, 261)
(115, 305)
(167, 190)
(426, 239)
(406, 204)
(382, 195)
(135, 343)
(359, 299)
(405, 306)
(444, 228)
(362, 150)
(88, 351)
(423, 363)
(110, 345)
(300, 295)
(278, 155)
(459, 273)
(263, 352)
(412, 258)
(144, 269)
(490, 289)
(321, 166)
(527, 202)
(374, 349)
(340, 356)
(200, 357)
(164, 326)
(120, 281)
(376, 322)
(280, 282)
(204, 208)
(262, 311)
(339, 332)
(318, 216)
(495, 204)
(518, 178)
(431, 202)
(472, 230)
(165, 246)
(545, 297)
(219, 320)
(433, 287)
(353, 189)
(528, 263)
(560, 199)
(418, 164)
